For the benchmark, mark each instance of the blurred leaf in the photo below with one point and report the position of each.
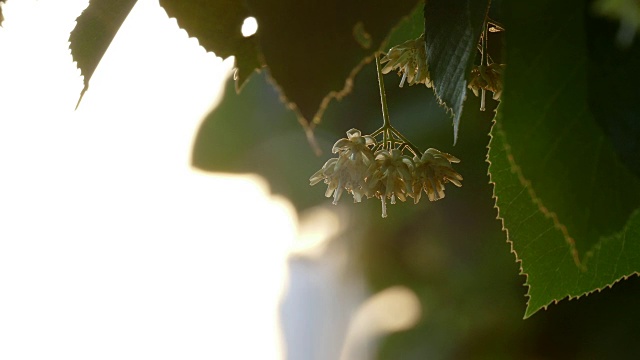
(253, 132)
(217, 25)
(1, 16)
(409, 28)
(613, 96)
(452, 31)
(96, 27)
(311, 49)
(564, 196)
(627, 12)
(544, 253)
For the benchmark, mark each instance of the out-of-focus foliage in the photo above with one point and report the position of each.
(565, 197)
(1, 16)
(627, 12)
(613, 97)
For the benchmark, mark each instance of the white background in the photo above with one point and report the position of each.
(111, 246)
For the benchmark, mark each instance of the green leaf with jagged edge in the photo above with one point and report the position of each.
(95, 29)
(314, 48)
(542, 248)
(452, 30)
(217, 25)
(569, 205)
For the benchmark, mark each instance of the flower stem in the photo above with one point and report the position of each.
(406, 142)
(483, 61)
(383, 96)
(388, 131)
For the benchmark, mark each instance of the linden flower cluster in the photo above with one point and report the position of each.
(487, 77)
(386, 174)
(410, 60)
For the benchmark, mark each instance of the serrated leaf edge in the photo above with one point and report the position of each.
(85, 77)
(527, 184)
(449, 111)
(453, 115)
(309, 126)
(589, 254)
(235, 62)
(570, 241)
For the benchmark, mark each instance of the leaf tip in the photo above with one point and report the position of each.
(84, 90)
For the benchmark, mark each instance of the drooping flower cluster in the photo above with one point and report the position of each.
(349, 170)
(432, 171)
(487, 77)
(386, 174)
(410, 60)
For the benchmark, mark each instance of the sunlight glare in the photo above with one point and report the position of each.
(111, 245)
(317, 227)
(249, 26)
(394, 309)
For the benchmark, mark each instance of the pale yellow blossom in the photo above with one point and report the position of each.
(392, 178)
(410, 60)
(432, 171)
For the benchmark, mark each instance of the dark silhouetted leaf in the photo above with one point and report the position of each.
(310, 47)
(95, 29)
(569, 205)
(452, 31)
(217, 25)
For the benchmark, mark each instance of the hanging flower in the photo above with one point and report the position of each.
(432, 171)
(355, 162)
(356, 147)
(487, 77)
(410, 59)
(392, 178)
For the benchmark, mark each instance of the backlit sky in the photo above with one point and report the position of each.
(111, 245)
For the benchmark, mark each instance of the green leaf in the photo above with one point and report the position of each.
(314, 48)
(95, 29)
(452, 30)
(567, 202)
(545, 254)
(409, 28)
(217, 25)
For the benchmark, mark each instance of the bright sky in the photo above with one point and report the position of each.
(111, 246)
